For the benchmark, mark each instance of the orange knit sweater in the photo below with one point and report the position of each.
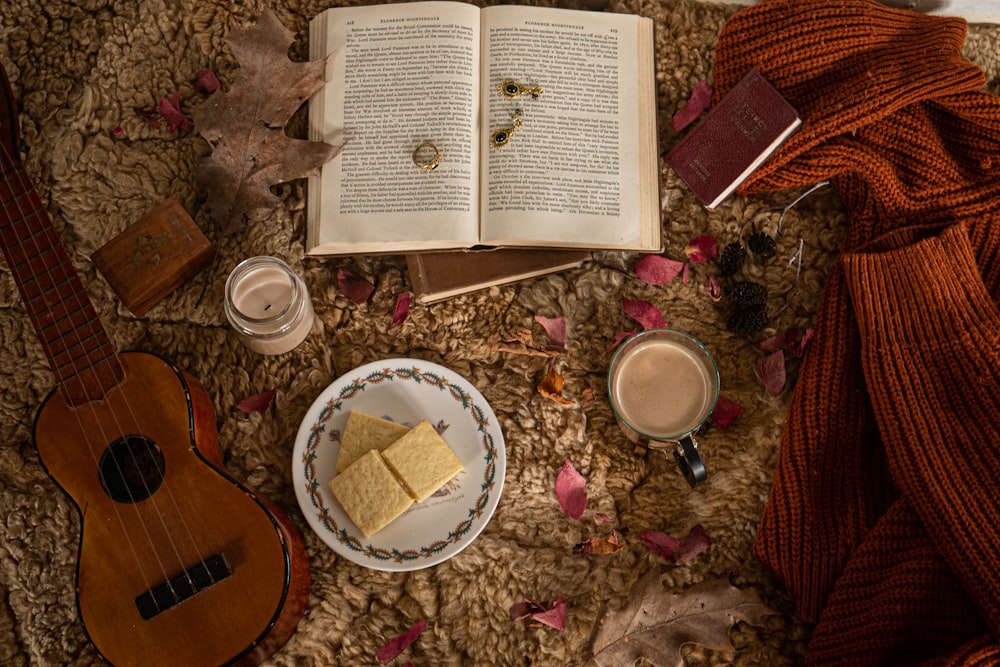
(884, 517)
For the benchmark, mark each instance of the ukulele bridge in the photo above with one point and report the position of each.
(185, 585)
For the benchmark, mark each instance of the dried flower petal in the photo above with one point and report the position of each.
(524, 609)
(552, 387)
(702, 248)
(353, 286)
(699, 100)
(771, 371)
(258, 402)
(694, 543)
(619, 337)
(554, 617)
(775, 342)
(713, 288)
(402, 308)
(687, 274)
(683, 550)
(206, 82)
(661, 543)
(571, 490)
(555, 327)
(798, 347)
(645, 313)
(726, 412)
(392, 648)
(171, 112)
(657, 269)
(599, 546)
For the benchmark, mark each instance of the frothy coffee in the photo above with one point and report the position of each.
(662, 388)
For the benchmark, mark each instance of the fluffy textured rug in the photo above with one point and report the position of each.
(81, 68)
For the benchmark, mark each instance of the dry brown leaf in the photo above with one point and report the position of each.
(246, 126)
(655, 623)
(551, 387)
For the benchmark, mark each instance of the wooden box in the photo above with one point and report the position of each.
(154, 256)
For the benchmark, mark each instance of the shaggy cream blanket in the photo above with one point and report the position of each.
(80, 68)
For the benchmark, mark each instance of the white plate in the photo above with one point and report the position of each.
(404, 391)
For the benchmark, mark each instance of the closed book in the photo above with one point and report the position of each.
(733, 139)
(435, 276)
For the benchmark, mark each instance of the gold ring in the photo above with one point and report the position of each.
(421, 160)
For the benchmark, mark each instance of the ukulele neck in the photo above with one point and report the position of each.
(78, 350)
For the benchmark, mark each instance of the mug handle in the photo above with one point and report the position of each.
(689, 461)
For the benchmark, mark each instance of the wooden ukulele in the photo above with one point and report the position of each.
(179, 563)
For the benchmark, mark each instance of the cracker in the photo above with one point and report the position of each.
(422, 461)
(363, 432)
(369, 493)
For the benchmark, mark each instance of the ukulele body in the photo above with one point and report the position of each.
(179, 564)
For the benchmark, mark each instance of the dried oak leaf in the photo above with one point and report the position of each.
(246, 126)
(655, 623)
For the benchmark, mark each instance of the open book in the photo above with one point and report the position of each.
(578, 164)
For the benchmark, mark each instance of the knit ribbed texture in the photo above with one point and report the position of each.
(884, 517)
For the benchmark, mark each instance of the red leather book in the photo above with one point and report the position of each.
(733, 139)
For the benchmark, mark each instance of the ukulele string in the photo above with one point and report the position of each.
(25, 183)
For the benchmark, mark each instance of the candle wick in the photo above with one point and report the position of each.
(267, 307)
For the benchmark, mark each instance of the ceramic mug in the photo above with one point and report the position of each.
(663, 384)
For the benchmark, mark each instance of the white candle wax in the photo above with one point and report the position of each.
(268, 305)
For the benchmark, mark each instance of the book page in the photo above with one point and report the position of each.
(398, 75)
(584, 148)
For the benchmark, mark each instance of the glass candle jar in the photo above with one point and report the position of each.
(268, 305)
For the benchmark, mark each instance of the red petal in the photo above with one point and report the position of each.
(205, 81)
(619, 337)
(656, 269)
(258, 402)
(798, 348)
(702, 248)
(392, 648)
(556, 329)
(524, 609)
(402, 308)
(700, 98)
(693, 544)
(771, 371)
(555, 617)
(645, 313)
(571, 490)
(775, 342)
(171, 112)
(726, 412)
(353, 286)
(713, 288)
(661, 543)
(672, 549)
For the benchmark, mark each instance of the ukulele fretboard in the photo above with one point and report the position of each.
(74, 341)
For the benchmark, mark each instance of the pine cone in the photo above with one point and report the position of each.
(731, 259)
(762, 245)
(745, 293)
(747, 321)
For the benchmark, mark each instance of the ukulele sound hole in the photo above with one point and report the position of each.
(131, 469)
